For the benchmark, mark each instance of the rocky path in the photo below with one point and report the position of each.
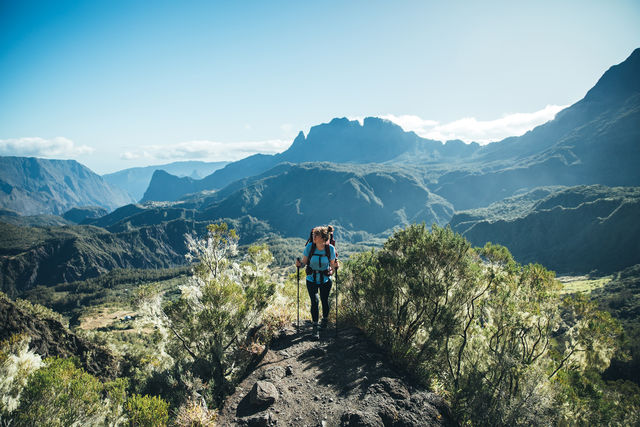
(342, 381)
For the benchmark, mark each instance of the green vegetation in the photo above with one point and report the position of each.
(210, 327)
(495, 336)
(505, 343)
(621, 297)
(61, 394)
(147, 411)
(582, 284)
(16, 364)
(195, 340)
(115, 288)
(575, 230)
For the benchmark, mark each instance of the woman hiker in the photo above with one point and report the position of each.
(320, 258)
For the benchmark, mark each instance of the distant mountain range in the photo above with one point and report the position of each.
(31, 256)
(564, 194)
(290, 197)
(33, 186)
(136, 180)
(594, 141)
(340, 141)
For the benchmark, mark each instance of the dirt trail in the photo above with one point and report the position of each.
(331, 382)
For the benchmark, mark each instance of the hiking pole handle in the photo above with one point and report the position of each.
(298, 323)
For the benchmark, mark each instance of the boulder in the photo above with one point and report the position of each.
(263, 393)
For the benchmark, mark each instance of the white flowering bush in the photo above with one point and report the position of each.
(221, 303)
(17, 362)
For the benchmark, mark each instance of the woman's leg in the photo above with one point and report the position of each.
(325, 289)
(312, 288)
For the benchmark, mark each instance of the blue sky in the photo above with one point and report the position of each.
(116, 84)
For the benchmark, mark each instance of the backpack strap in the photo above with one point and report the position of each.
(309, 270)
(327, 272)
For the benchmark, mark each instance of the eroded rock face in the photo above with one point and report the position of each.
(50, 338)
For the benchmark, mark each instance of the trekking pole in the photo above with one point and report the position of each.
(298, 327)
(336, 303)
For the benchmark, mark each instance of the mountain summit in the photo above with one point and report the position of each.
(339, 141)
(594, 141)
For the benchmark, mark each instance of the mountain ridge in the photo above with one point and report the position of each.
(33, 186)
(136, 180)
(339, 141)
(571, 149)
(571, 230)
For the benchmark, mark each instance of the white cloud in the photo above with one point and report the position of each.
(62, 148)
(471, 129)
(207, 150)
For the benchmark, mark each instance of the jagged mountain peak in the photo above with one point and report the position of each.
(619, 81)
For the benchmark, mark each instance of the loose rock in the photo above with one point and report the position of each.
(274, 373)
(261, 420)
(361, 419)
(263, 393)
(395, 388)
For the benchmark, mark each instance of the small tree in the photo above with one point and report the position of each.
(218, 307)
(411, 295)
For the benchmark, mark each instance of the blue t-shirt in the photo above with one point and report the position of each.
(319, 261)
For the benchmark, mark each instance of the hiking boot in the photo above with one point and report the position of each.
(315, 333)
(324, 323)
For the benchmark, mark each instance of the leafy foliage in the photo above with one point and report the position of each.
(146, 410)
(621, 298)
(494, 333)
(60, 394)
(195, 414)
(215, 317)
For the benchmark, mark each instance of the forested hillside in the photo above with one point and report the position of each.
(571, 230)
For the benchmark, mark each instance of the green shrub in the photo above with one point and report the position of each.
(146, 411)
(60, 394)
(496, 335)
(195, 414)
